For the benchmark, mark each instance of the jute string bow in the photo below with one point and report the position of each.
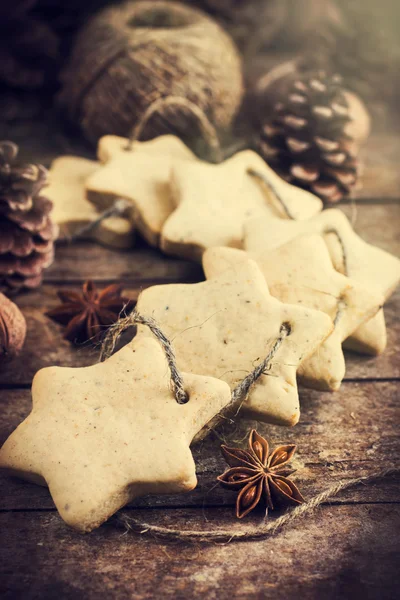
(238, 395)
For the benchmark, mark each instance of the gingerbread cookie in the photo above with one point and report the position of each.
(215, 200)
(72, 211)
(301, 272)
(111, 146)
(140, 175)
(227, 325)
(101, 436)
(351, 256)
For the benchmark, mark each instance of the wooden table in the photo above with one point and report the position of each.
(347, 548)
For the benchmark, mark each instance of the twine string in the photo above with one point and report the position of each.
(242, 389)
(271, 528)
(117, 209)
(272, 187)
(343, 248)
(161, 104)
(134, 318)
(341, 306)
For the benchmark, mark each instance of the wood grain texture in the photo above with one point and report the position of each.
(380, 176)
(84, 260)
(351, 562)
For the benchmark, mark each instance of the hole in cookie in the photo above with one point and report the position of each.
(286, 328)
(185, 400)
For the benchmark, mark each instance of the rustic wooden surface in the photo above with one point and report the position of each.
(348, 548)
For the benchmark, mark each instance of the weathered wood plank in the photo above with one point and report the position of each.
(380, 176)
(386, 365)
(377, 224)
(84, 260)
(333, 553)
(351, 434)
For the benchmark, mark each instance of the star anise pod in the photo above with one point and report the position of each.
(88, 315)
(260, 476)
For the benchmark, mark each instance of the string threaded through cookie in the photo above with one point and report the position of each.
(343, 248)
(117, 209)
(135, 318)
(242, 389)
(239, 393)
(265, 180)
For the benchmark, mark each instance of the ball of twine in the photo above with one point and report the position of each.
(129, 56)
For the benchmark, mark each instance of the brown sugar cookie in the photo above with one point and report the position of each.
(351, 256)
(140, 175)
(301, 272)
(224, 327)
(215, 200)
(72, 211)
(101, 436)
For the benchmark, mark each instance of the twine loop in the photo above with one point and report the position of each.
(134, 318)
(239, 393)
(161, 104)
(343, 248)
(262, 177)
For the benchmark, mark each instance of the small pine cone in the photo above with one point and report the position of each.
(18, 184)
(27, 232)
(305, 138)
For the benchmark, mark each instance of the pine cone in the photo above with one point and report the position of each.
(27, 232)
(305, 138)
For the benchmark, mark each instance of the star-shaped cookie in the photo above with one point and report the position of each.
(111, 146)
(215, 200)
(71, 209)
(226, 326)
(351, 255)
(301, 272)
(101, 436)
(141, 175)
